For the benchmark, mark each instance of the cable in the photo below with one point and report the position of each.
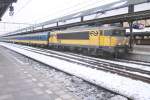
(61, 10)
(88, 6)
(23, 7)
(76, 10)
(15, 23)
(74, 6)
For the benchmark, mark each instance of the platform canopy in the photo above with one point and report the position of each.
(4, 5)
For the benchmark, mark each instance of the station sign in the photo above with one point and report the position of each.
(138, 26)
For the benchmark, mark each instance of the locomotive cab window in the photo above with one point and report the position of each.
(114, 32)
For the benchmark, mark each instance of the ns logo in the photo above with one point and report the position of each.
(95, 33)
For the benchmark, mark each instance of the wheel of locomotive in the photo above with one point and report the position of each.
(116, 54)
(107, 54)
(63, 48)
(85, 51)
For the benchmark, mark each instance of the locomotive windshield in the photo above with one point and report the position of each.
(114, 32)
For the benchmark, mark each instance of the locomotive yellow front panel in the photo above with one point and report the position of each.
(94, 38)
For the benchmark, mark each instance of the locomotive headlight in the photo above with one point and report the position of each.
(127, 43)
(119, 43)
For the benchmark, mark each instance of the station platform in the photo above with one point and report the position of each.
(140, 53)
(19, 82)
(141, 49)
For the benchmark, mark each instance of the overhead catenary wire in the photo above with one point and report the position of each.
(15, 23)
(25, 5)
(74, 10)
(89, 6)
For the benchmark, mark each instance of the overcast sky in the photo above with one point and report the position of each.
(35, 11)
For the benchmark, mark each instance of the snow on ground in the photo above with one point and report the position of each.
(130, 65)
(72, 84)
(78, 61)
(147, 68)
(133, 89)
(64, 57)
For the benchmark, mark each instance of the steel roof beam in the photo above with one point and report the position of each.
(82, 14)
(107, 20)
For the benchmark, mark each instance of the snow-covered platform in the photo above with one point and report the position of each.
(19, 82)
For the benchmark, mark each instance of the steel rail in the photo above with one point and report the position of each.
(98, 67)
(98, 61)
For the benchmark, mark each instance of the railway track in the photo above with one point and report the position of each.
(126, 71)
(99, 61)
(117, 60)
(134, 62)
